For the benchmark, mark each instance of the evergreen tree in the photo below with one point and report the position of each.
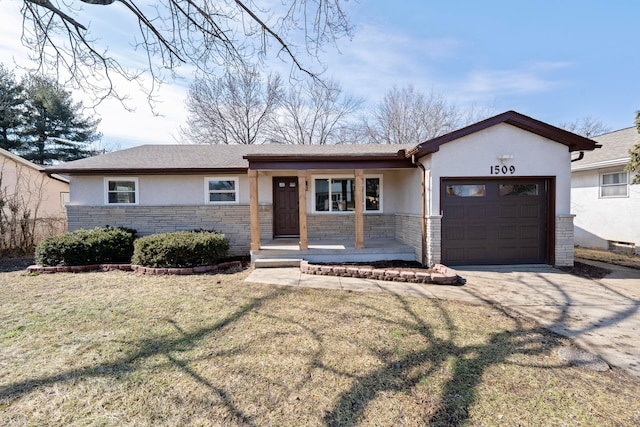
(54, 128)
(11, 101)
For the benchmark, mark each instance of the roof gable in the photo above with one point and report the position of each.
(571, 140)
(24, 162)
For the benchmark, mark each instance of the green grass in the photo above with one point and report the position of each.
(121, 349)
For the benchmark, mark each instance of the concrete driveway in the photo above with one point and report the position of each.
(602, 316)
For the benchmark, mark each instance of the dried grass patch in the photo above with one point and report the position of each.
(118, 348)
(632, 261)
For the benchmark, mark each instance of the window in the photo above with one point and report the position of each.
(614, 184)
(372, 196)
(64, 199)
(221, 190)
(466, 190)
(337, 194)
(518, 189)
(121, 191)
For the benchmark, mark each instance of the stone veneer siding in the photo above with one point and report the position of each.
(231, 220)
(434, 239)
(564, 241)
(342, 226)
(408, 230)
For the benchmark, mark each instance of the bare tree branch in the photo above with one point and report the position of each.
(204, 34)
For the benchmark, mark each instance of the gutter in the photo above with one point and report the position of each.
(602, 164)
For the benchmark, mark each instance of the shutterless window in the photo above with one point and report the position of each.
(221, 190)
(335, 194)
(373, 194)
(338, 194)
(466, 190)
(122, 191)
(614, 184)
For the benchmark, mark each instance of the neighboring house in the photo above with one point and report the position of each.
(496, 192)
(606, 204)
(32, 203)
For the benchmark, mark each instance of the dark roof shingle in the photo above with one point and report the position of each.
(185, 157)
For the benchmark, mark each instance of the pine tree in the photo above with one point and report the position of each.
(54, 128)
(11, 102)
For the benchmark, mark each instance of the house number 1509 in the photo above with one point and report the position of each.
(503, 170)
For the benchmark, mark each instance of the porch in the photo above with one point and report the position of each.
(334, 250)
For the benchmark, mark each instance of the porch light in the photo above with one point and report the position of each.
(504, 157)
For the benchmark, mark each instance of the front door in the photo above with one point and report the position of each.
(285, 207)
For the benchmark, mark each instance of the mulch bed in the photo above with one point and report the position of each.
(389, 264)
(586, 270)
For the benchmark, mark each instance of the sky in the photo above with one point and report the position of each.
(556, 61)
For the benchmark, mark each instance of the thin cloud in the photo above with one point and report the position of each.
(529, 80)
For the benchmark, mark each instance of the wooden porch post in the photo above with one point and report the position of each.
(359, 202)
(302, 209)
(254, 212)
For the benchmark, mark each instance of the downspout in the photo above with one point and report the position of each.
(423, 221)
(580, 157)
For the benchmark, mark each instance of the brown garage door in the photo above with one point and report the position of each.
(494, 221)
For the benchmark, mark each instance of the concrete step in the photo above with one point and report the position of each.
(276, 262)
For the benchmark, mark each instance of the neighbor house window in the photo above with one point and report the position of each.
(64, 199)
(337, 194)
(615, 184)
(221, 190)
(121, 191)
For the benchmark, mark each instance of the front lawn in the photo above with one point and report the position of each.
(119, 349)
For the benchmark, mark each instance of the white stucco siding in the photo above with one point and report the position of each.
(600, 220)
(474, 156)
(162, 190)
(402, 191)
(400, 188)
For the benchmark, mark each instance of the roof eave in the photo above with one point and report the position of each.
(601, 164)
(145, 171)
(572, 141)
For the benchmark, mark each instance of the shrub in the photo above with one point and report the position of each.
(180, 249)
(86, 247)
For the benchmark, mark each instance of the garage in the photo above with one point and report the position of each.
(495, 221)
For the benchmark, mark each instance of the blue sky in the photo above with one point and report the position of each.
(557, 61)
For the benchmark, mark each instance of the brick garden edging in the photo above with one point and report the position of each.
(438, 274)
(133, 267)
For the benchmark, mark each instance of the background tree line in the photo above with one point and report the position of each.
(242, 106)
(40, 122)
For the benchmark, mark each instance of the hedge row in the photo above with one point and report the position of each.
(180, 249)
(119, 245)
(86, 247)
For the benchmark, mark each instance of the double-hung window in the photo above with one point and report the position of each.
(337, 194)
(121, 191)
(614, 184)
(221, 190)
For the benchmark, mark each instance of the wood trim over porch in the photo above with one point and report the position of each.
(303, 187)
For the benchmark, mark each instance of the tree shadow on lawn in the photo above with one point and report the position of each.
(148, 348)
(468, 364)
